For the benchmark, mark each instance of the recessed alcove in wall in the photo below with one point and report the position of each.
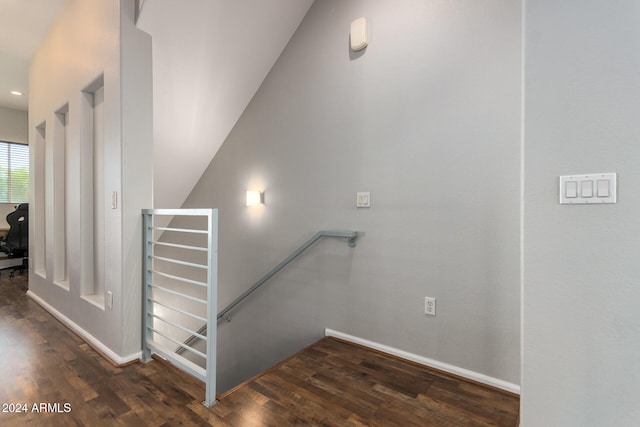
(38, 253)
(93, 205)
(60, 192)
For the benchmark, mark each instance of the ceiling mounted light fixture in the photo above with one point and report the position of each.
(16, 93)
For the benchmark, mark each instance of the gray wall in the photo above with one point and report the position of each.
(13, 125)
(581, 324)
(428, 120)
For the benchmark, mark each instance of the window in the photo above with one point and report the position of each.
(14, 172)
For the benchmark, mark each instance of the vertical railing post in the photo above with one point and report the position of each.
(212, 307)
(147, 224)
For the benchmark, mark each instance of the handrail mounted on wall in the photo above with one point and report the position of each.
(351, 237)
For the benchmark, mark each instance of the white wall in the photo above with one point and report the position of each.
(89, 40)
(13, 128)
(428, 120)
(581, 323)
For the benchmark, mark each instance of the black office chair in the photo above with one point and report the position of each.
(16, 243)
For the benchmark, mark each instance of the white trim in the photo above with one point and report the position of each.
(93, 341)
(522, 177)
(461, 372)
(64, 284)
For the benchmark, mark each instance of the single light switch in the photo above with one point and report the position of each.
(571, 189)
(603, 188)
(587, 189)
(363, 199)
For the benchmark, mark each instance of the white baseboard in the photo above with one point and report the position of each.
(461, 372)
(90, 339)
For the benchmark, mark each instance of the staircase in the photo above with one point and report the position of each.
(180, 289)
(336, 383)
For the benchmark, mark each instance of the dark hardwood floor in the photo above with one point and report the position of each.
(55, 379)
(334, 383)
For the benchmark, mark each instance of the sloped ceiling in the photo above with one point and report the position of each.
(209, 59)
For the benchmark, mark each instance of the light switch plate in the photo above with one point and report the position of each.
(363, 199)
(594, 189)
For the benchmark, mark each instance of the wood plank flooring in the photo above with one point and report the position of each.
(331, 383)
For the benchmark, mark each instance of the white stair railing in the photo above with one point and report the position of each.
(176, 304)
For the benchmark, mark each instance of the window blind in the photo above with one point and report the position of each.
(14, 172)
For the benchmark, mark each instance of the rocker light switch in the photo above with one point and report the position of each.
(571, 189)
(603, 188)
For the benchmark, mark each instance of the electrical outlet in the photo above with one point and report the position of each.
(430, 306)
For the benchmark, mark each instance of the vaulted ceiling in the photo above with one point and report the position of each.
(209, 59)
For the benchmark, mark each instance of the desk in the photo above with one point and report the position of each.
(6, 262)
(3, 232)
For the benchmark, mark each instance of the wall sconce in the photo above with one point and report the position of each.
(255, 197)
